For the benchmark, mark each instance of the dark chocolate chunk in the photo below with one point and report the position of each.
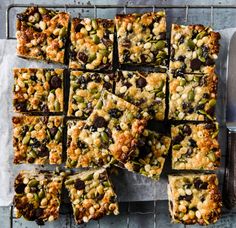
(79, 27)
(34, 143)
(53, 131)
(195, 64)
(192, 142)
(115, 113)
(199, 184)
(43, 151)
(99, 122)
(187, 130)
(33, 78)
(55, 82)
(20, 188)
(82, 56)
(21, 106)
(79, 184)
(81, 144)
(141, 82)
(177, 139)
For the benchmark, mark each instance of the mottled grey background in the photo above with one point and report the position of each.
(140, 214)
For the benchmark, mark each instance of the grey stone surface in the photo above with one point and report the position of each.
(130, 212)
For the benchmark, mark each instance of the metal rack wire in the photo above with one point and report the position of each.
(124, 9)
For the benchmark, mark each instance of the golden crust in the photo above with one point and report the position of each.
(114, 127)
(192, 96)
(91, 44)
(194, 199)
(41, 34)
(33, 190)
(92, 195)
(195, 146)
(37, 89)
(37, 139)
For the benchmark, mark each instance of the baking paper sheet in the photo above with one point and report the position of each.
(129, 186)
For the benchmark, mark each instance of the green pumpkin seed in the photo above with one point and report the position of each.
(212, 156)
(160, 44)
(161, 55)
(96, 39)
(97, 95)
(68, 182)
(176, 147)
(57, 106)
(26, 139)
(200, 35)
(78, 98)
(215, 134)
(203, 101)
(93, 91)
(191, 44)
(196, 78)
(199, 52)
(160, 94)
(52, 91)
(33, 183)
(106, 184)
(41, 194)
(94, 24)
(104, 137)
(161, 86)
(91, 58)
(212, 102)
(182, 82)
(48, 75)
(36, 198)
(73, 163)
(104, 52)
(130, 116)
(58, 136)
(99, 105)
(202, 59)
(42, 10)
(31, 128)
(37, 17)
(62, 32)
(191, 95)
(32, 154)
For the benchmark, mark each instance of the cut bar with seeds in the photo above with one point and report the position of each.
(192, 97)
(194, 198)
(91, 44)
(92, 195)
(114, 127)
(195, 146)
(142, 39)
(38, 90)
(37, 139)
(42, 34)
(146, 90)
(151, 153)
(85, 90)
(37, 196)
(194, 48)
(79, 154)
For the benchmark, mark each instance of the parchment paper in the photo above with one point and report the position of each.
(129, 186)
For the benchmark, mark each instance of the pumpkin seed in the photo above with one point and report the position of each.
(96, 39)
(33, 183)
(99, 105)
(58, 136)
(91, 57)
(212, 102)
(199, 52)
(57, 106)
(212, 156)
(182, 82)
(94, 24)
(191, 44)
(68, 182)
(32, 154)
(202, 59)
(36, 198)
(160, 44)
(42, 10)
(215, 134)
(203, 101)
(191, 95)
(26, 139)
(200, 35)
(41, 194)
(176, 147)
(104, 137)
(73, 163)
(78, 98)
(63, 32)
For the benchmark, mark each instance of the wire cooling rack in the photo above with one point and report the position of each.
(219, 16)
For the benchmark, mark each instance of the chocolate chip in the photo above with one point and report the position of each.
(106, 34)
(181, 58)
(199, 184)
(100, 196)
(82, 56)
(192, 142)
(34, 143)
(113, 199)
(106, 23)
(53, 131)
(55, 82)
(30, 160)
(209, 62)
(33, 78)
(21, 106)
(205, 51)
(20, 188)
(187, 130)
(106, 42)
(126, 43)
(43, 151)
(115, 113)
(141, 82)
(99, 122)
(53, 36)
(177, 139)
(93, 128)
(206, 95)
(79, 27)
(200, 107)
(144, 151)
(24, 130)
(38, 212)
(81, 144)
(126, 54)
(195, 64)
(172, 54)
(143, 58)
(189, 152)
(118, 128)
(210, 126)
(162, 35)
(107, 85)
(72, 55)
(203, 81)
(186, 197)
(79, 184)
(179, 73)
